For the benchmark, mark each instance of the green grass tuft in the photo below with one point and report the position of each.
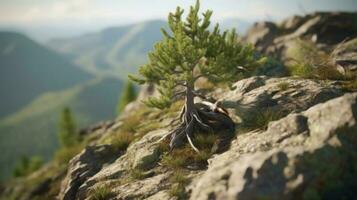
(101, 193)
(122, 140)
(64, 155)
(137, 174)
(179, 182)
(307, 61)
(260, 119)
(283, 86)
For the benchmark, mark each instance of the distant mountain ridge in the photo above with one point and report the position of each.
(121, 50)
(28, 69)
(36, 83)
(116, 50)
(33, 129)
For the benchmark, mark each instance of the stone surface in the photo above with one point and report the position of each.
(345, 56)
(309, 151)
(256, 94)
(83, 166)
(262, 34)
(291, 172)
(324, 29)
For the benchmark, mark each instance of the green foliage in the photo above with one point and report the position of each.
(128, 95)
(67, 129)
(283, 86)
(178, 191)
(26, 166)
(45, 71)
(41, 118)
(101, 193)
(181, 157)
(64, 155)
(307, 61)
(259, 119)
(122, 140)
(178, 181)
(190, 51)
(205, 140)
(137, 174)
(133, 128)
(174, 160)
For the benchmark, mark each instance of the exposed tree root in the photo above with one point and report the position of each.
(205, 117)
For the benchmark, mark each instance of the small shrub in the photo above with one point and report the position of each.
(301, 70)
(179, 177)
(260, 119)
(174, 160)
(122, 140)
(137, 174)
(64, 155)
(68, 135)
(205, 141)
(182, 157)
(307, 61)
(131, 122)
(178, 182)
(178, 191)
(283, 86)
(128, 95)
(101, 193)
(26, 166)
(147, 127)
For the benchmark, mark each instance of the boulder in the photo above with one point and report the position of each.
(291, 170)
(261, 35)
(345, 56)
(326, 29)
(85, 165)
(256, 94)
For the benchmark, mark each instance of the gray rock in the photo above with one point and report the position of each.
(337, 116)
(83, 166)
(290, 171)
(261, 35)
(256, 94)
(323, 28)
(345, 56)
(141, 154)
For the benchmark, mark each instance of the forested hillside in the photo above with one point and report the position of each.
(28, 69)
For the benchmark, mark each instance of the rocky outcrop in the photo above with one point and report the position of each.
(295, 138)
(324, 29)
(84, 166)
(257, 94)
(262, 35)
(302, 156)
(345, 56)
(289, 136)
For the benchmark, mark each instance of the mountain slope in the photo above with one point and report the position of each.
(33, 130)
(118, 49)
(28, 69)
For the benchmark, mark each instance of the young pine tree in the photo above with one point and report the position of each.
(128, 95)
(26, 166)
(67, 129)
(188, 52)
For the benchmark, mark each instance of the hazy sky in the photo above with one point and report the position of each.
(70, 17)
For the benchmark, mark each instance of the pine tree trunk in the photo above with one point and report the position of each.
(189, 104)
